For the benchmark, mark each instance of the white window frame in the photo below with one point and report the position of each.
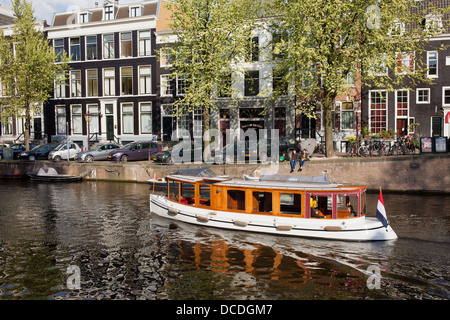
(443, 96)
(417, 95)
(111, 53)
(136, 11)
(121, 82)
(108, 15)
(88, 83)
(143, 113)
(145, 43)
(60, 86)
(428, 65)
(410, 66)
(112, 84)
(145, 81)
(78, 117)
(62, 115)
(128, 40)
(96, 48)
(166, 85)
(84, 17)
(78, 85)
(165, 57)
(122, 114)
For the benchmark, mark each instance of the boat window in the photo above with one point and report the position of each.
(236, 200)
(321, 206)
(205, 195)
(347, 206)
(291, 203)
(172, 191)
(187, 193)
(262, 201)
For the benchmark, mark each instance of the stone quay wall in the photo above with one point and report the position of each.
(428, 173)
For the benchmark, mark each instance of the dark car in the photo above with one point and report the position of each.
(256, 150)
(39, 152)
(17, 148)
(135, 151)
(176, 155)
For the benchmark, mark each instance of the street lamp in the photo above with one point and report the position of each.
(88, 118)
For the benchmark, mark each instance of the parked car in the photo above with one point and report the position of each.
(17, 148)
(285, 145)
(237, 153)
(39, 152)
(167, 156)
(97, 152)
(64, 151)
(139, 150)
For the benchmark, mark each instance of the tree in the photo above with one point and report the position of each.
(27, 68)
(211, 36)
(323, 42)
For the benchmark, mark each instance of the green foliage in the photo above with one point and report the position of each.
(27, 67)
(211, 35)
(323, 42)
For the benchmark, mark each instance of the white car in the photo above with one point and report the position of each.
(64, 151)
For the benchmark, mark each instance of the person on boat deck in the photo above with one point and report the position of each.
(294, 159)
(314, 210)
(303, 158)
(351, 210)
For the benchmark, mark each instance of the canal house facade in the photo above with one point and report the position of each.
(424, 104)
(112, 76)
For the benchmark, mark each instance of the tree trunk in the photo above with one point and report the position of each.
(328, 123)
(27, 128)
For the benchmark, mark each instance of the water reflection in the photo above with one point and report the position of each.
(124, 253)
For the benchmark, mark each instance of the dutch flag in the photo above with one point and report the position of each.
(381, 211)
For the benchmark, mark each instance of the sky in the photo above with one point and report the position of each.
(44, 9)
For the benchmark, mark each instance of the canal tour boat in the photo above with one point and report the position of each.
(327, 211)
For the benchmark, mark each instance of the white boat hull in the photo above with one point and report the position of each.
(354, 229)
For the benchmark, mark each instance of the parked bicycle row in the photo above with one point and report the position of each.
(381, 147)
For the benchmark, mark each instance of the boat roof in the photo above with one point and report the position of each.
(199, 172)
(227, 182)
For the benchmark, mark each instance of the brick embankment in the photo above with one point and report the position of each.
(418, 173)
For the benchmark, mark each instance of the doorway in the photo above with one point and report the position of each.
(436, 126)
(402, 127)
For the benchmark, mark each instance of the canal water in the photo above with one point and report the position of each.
(97, 240)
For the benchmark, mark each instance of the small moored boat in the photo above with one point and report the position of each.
(329, 211)
(53, 176)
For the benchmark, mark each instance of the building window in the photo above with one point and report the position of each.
(77, 119)
(251, 83)
(127, 81)
(146, 117)
(92, 83)
(182, 84)
(75, 49)
(109, 82)
(75, 83)
(84, 17)
(126, 47)
(423, 96)
(405, 62)
(144, 43)
(61, 120)
(108, 46)
(91, 48)
(7, 125)
(145, 76)
(165, 57)
(347, 115)
(166, 86)
(58, 46)
(198, 122)
(253, 52)
(109, 13)
(60, 86)
(136, 11)
(402, 103)
(446, 96)
(93, 125)
(127, 118)
(432, 62)
(378, 111)
(280, 87)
